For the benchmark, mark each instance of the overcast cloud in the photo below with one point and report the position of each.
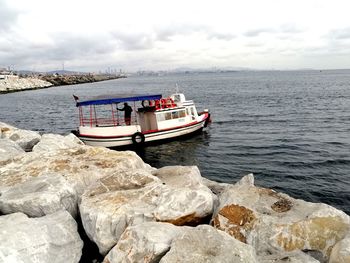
(161, 35)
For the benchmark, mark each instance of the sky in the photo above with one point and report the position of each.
(133, 35)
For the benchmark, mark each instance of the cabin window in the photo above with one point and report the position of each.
(161, 117)
(168, 116)
(192, 111)
(187, 112)
(177, 98)
(182, 114)
(175, 114)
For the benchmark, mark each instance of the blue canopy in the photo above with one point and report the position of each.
(118, 100)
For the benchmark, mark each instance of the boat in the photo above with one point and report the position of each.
(153, 118)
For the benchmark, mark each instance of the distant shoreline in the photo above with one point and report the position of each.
(12, 85)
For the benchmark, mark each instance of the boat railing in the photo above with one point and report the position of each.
(105, 122)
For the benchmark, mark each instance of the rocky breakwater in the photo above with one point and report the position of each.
(14, 83)
(136, 213)
(59, 80)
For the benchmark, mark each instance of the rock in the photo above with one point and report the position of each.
(128, 198)
(274, 223)
(80, 165)
(54, 142)
(24, 138)
(215, 187)
(206, 244)
(26, 185)
(8, 150)
(186, 199)
(52, 238)
(115, 202)
(146, 242)
(39, 196)
(341, 251)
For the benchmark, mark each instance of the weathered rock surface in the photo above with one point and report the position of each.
(341, 251)
(273, 222)
(52, 238)
(39, 196)
(184, 199)
(74, 165)
(146, 242)
(54, 142)
(9, 150)
(174, 195)
(206, 244)
(23, 138)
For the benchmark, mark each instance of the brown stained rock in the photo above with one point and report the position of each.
(319, 234)
(237, 215)
(61, 165)
(282, 205)
(188, 220)
(238, 220)
(5, 129)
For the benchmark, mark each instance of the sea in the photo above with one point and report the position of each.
(291, 129)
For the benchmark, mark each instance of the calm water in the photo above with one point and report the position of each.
(291, 129)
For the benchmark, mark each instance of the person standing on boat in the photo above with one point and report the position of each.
(127, 113)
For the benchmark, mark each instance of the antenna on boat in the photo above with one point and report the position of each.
(177, 88)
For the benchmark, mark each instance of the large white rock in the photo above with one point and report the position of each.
(55, 142)
(146, 242)
(116, 201)
(24, 138)
(206, 244)
(39, 196)
(184, 197)
(73, 170)
(53, 238)
(80, 165)
(8, 150)
(275, 223)
(128, 198)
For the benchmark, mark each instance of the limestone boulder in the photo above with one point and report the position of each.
(115, 202)
(8, 151)
(80, 165)
(146, 242)
(23, 138)
(54, 142)
(184, 199)
(172, 194)
(274, 222)
(39, 196)
(52, 238)
(207, 244)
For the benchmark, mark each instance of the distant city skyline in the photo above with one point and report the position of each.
(43, 35)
